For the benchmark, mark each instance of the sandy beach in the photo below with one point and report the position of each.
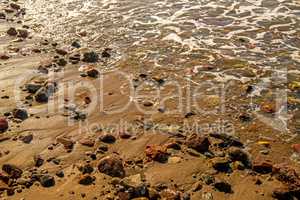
(149, 100)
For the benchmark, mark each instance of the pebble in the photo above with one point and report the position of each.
(108, 138)
(20, 114)
(23, 33)
(47, 180)
(3, 124)
(38, 161)
(112, 166)
(86, 180)
(27, 138)
(12, 32)
(223, 186)
(12, 170)
(94, 73)
(90, 57)
(199, 143)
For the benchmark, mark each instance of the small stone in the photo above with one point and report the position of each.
(42, 97)
(221, 165)
(237, 154)
(86, 169)
(170, 194)
(207, 179)
(68, 143)
(47, 180)
(124, 135)
(12, 32)
(23, 33)
(33, 88)
(296, 148)
(76, 44)
(223, 186)
(2, 16)
(105, 53)
(20, 114)
(3, 124)
(94, 73)
(198, 143)
(26, 138)
(112, 166)
(86, 180)
(12, 170)
(15, 6)
(262, 167)
(38, 161)
(60, 174)
(62, 62)
(61, 52)
(87, 142)
(157, 153)
(4, 57)
(282, 194)
(108, 138)
(90, 57)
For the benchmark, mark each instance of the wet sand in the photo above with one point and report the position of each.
(216, 131)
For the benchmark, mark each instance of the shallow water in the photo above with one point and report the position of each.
(170, 33)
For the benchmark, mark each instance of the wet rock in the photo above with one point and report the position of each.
(32, 87)
(223, 186)
(262, 167)
(23, 33)
(12, 170)
(41, 96)
(237, 154)
(221, 165)
(61, 52)
(26, 138)
(124, 135)
(3, 124)
(66, 142)
(60, 174)
(108, 138)
(86, 180)
(2, 16)
(15, 6)
(86, 169)
(12, 32)
(112, 166)
(76, 44)
(94, 73)
(20, 114)
(157, 153)
(47, 180)
(62, 62)
(4, 57)
(198, 143)
(90, 57)
(38, 161)
(106, 53)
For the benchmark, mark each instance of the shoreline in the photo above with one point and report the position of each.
(43, 153)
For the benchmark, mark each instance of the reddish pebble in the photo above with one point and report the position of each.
(296, 148)
(3, 124)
